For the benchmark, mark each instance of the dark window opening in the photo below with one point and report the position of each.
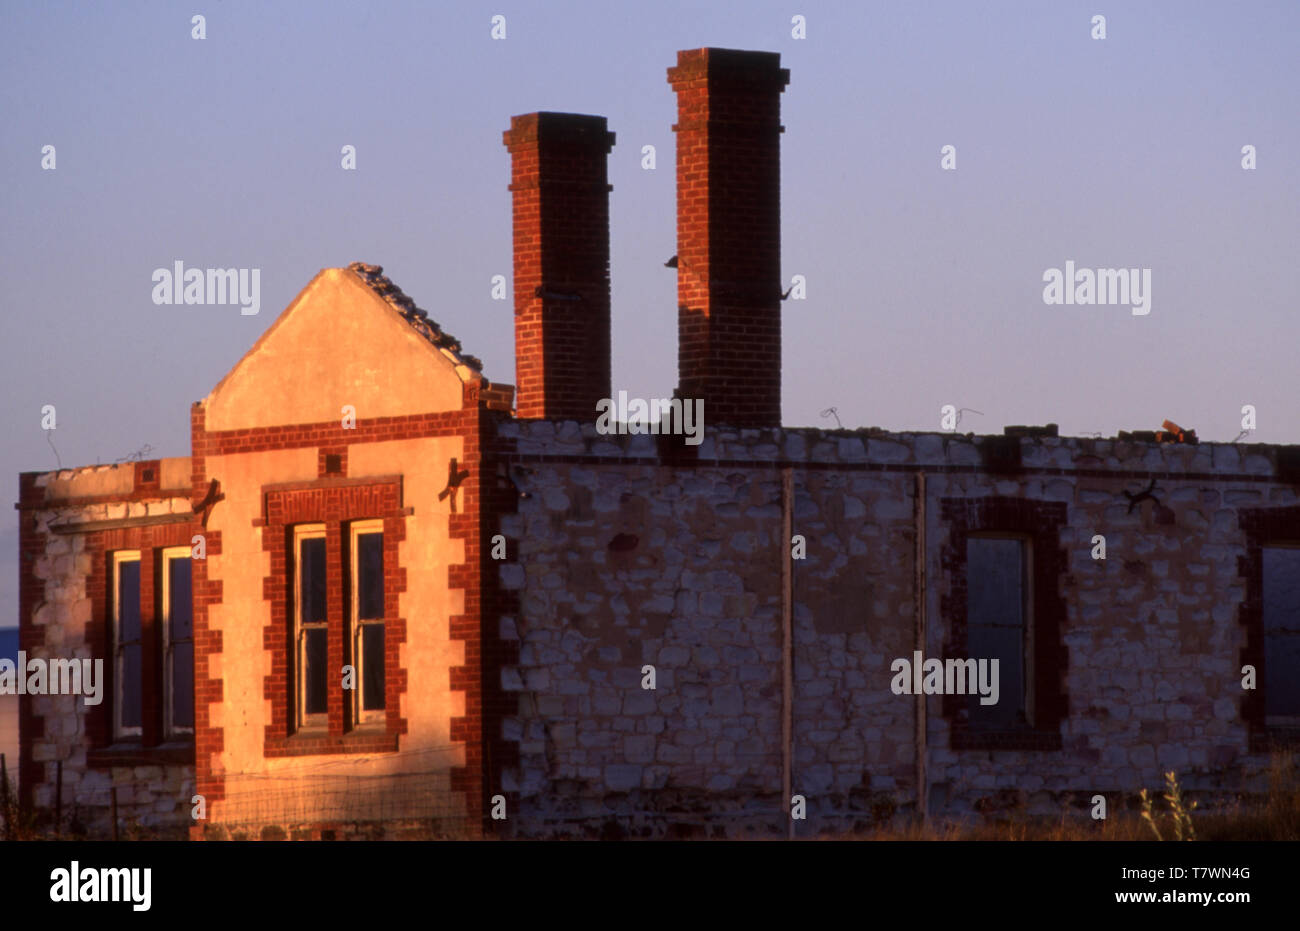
(130, 660)
(997, 627)
(180, 641)
(1281, 622)
(313, 626)
(369, 621)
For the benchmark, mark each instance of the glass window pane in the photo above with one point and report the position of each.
(315, 675)
(995, 618)
(181, 605)
(994, 583)
(128, 600)
(183, 685)
(1006, 645)
(370, 575)
(1281, 589)
(372, 646)
(131, 669)
(312, 569)
(1282, 672)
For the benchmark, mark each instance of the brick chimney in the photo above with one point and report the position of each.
(729, 232)
(560, 191)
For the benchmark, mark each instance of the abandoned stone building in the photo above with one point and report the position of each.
(414, 601)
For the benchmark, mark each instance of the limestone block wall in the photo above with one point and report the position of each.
(621, 558)
(153, 799)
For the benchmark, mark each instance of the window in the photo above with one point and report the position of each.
(311, 627)
(142, 624)
(367, 620)
(178, 641)
(334, 630)
(128, 657)
(1002, 600)
(999, 626)
(1280, 677)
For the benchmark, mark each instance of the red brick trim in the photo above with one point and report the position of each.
(1041, 521)
(335, 505)
(209, 741)
(331, 433)
(1262, 527)
(148, 477)
(31, 593)
(487, 494)
(328, 456)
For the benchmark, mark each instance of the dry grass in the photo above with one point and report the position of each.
(1275, 818)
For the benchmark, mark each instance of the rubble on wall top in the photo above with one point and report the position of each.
(382, 285)
(66, 475)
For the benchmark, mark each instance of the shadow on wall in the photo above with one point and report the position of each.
(9, 708)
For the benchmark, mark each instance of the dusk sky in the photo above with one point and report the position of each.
(924, 286)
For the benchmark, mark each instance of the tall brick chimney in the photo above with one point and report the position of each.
(729, 232)
(561, 239)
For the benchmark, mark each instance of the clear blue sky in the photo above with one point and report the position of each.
(924, 286)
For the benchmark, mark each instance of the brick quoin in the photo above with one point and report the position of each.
(31, 592)
(729, 232)
(209, 740)
(487, 494)
(560, 191)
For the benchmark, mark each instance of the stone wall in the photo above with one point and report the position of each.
(622, 558)
(153, 797)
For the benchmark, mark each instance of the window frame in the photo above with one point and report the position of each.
(1261, 527)
(121, 732)
(361, 717)
(168, 554)
(1042, 522)
(317, 722)
(334, 502)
